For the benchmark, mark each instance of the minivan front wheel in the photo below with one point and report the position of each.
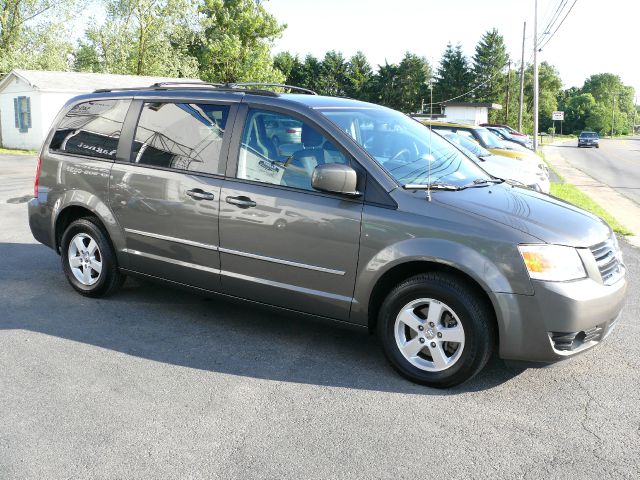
(88, 260)
(435, 330)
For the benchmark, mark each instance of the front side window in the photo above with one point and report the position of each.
(282, 150)
(404, 147)
(91, 129)
(184, 136)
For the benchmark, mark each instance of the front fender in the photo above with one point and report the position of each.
(504, 274)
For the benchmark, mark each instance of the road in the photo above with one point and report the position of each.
(159, 383)
(616, 163)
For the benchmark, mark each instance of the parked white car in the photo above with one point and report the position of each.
(521, 171)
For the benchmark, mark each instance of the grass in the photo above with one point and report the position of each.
(570, 193)
(11, 151)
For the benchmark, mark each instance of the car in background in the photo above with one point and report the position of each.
(512, 131)
(283, 131)
(488, 140)
(502, 167)
(589, 139)
(505, 135)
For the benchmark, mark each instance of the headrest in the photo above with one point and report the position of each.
(310, 137)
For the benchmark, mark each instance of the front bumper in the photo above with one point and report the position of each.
(560, 320)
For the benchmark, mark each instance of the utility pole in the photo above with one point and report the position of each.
(635, 110)
(613, 113)
(535, 77)
(524, 30)
(506, 113)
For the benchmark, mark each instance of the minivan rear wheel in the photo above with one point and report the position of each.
(88, 259)
(435, 330)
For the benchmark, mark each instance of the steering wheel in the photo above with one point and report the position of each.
(399, 154)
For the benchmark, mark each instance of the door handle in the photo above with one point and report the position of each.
(241, 201)
(199, 194)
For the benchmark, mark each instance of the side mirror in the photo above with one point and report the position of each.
(335, 178)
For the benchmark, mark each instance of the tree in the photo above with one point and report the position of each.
(333, 75)
(236, 41)
(311, 72)
(34, 34)
(291, 67)
(414, 72)
(577, 110)
(549, 87)
(358, 77)
(141, 37)
(454, 77)
(489, 62)
(385, 86)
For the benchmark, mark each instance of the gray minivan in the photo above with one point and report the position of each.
(368, 218)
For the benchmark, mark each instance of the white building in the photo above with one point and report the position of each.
(30, 100)
(470, 113)
(467, 112)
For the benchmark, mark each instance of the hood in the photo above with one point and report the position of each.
(542, 216)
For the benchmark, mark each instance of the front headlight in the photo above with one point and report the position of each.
(554, 263)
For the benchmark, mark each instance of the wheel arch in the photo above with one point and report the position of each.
(400, 272)
(72, 210)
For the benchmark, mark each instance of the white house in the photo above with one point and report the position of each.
(30, 100)
(469, 112)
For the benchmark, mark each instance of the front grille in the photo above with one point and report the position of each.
(607, 261)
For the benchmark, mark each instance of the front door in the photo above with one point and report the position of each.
(167, 197)
(281, 242)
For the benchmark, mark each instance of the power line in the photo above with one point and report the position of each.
(558, 27)
(554, 18)
(473, 89)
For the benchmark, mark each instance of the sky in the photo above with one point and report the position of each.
(596, 37)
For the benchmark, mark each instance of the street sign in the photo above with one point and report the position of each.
(558, 116)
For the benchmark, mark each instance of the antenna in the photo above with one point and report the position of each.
(430, 138)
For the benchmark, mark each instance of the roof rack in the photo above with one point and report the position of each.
(281, 85)
(220, 87)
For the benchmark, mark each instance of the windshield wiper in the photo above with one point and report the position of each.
(431, 186)
(481, 182)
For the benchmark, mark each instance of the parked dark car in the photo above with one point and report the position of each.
(589, 139)
(371, 219)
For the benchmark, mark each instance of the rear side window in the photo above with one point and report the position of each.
(91, 129)
(183, 136)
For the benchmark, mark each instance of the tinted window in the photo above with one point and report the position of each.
(91, 129)
(185, 136)
(282, 150)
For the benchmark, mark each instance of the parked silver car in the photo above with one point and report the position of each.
(370, 219)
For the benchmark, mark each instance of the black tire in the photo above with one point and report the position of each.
(476, 318)
(109, 279)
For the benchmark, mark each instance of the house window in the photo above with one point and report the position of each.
(22, 109)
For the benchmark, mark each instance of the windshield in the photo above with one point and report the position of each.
(404, 147)
(489, 139)
(589, 135)
(468, 144)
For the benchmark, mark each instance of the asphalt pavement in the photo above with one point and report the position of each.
(616, 163)
(159, 383)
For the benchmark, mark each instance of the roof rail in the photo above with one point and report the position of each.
(221, 87)
(282, 85)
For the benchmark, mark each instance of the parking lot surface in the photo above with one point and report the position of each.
(159, 383)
